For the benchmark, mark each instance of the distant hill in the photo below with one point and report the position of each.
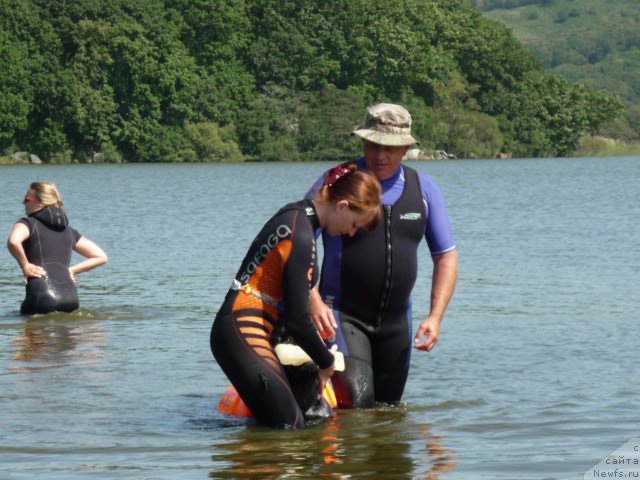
(595, 42)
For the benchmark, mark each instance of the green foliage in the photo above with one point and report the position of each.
(277, 80)
(325, 129)
(61, 157)
(591, 42)
(597, 146)
(211, 143)
(468, 134)
(626, 128)
(108, 154)
(14, 101)
(594, 41)
(271, 124)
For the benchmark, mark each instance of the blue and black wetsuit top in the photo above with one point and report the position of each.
(379, 268)
(372, 274)
(50, 245)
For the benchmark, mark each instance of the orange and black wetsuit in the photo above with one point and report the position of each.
(271, 286)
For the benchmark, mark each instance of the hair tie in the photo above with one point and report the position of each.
(339, 171)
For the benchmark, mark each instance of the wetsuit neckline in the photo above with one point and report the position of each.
(387, 183)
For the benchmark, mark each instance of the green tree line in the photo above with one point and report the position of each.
(273, 80)
(592, 42)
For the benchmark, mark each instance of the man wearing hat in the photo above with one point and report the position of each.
(363, 303)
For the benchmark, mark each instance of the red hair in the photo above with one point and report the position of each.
(361, 189)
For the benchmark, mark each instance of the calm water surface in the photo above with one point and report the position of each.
(535, 376)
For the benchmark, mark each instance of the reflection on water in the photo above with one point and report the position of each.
(56, 339)
(378, 443)
(442, 459)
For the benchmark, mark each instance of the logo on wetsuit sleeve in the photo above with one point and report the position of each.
(312, 274)
(283, 231)
(411, 216)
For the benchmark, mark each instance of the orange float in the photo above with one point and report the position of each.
(231, 404)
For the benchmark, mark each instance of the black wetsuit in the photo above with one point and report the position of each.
(368, 280)
(271, 286)
(50, 245)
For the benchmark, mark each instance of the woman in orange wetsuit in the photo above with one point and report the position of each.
(272, 286)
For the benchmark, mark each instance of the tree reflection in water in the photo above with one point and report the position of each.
(379, 443)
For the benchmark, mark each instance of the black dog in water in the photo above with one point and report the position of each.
(305, 384)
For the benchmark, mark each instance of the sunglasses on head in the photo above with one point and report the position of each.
(29, 199)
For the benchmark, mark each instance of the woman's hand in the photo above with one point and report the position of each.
(33, 271)
(324, 374)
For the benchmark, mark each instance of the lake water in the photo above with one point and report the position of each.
(535, 377)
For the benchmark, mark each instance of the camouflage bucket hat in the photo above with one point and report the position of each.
(387, 124)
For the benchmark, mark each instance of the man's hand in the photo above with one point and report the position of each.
(322, 315)
(428, 334)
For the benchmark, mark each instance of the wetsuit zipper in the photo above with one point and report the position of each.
(386, 290)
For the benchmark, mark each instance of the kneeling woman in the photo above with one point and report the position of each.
(42, 244)
(272, 286)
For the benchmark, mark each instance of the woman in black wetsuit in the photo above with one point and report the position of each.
(272, 287)
(42, 244)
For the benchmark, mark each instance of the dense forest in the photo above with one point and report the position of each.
(272, 80)
(593, 42)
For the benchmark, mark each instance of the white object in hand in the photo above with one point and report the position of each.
(290, 354)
